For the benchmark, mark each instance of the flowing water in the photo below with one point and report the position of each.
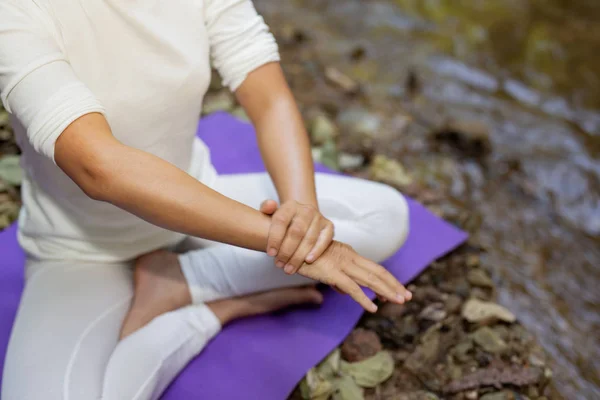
(529, 70)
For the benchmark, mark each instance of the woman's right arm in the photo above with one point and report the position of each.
(153, 189)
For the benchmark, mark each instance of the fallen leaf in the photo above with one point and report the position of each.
(10, 170)
(372, 371)
(347, 389)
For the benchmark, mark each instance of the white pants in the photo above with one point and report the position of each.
(64, 343)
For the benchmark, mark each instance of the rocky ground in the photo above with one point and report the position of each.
(452, 341)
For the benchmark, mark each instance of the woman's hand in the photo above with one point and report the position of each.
(345, 270)
(298, 234)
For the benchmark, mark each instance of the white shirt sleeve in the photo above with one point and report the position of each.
(37, 84)
(239, 39)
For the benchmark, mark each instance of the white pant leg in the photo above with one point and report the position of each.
(64, 342)
(369, 216)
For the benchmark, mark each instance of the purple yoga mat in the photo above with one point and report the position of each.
(260, 358)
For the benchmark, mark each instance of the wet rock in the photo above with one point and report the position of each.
(358, 121)
(453, 304)
(478, 277)
(489, 340)
(477, 311)
(360, 345)
(503, 395)
(219, 101)
(470, 138)
(341, 80)
(349, 161)
(434, 312)
(322, 130)
(389, 171)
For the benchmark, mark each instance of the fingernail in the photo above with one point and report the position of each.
(288, 268)
(408, 295)
(272, 252)
(310, 258)
(279, 264)
(373, 308)
(400, 298)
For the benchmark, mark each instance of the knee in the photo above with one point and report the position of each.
(392, 216)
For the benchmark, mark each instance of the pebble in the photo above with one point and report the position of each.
(503, 395)
(471, 395)
(322, 129)
(341, 80)
(349, 161)
(489, 340)
(434, 312)
(478, 277)
(483, 312)
(453, 304)
(358, 121)
(360, 345)
(389, 171)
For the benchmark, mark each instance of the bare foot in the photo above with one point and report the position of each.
(159, 287)
(234, 308)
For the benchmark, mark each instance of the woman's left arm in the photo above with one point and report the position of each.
(282, 138)
(245, 54)
(299, 232)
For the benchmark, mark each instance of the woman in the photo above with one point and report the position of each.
(138, 253)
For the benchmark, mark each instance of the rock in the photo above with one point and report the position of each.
(418, 395)
(503, 395)
(471, 395)
(489, 340)
(341, 80)
(359, 122)
(360, 345)
(477, 311)
(347, 389)
(219, 101)
(473, 260)
(351, 161)
(453, 304)
(389, 171)
(392, 310)
(433, 312)
(478, 277)
(480, 294)
(322, 130)
(470, 138)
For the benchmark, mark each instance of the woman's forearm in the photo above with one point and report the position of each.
(282, 138)
(154, 189)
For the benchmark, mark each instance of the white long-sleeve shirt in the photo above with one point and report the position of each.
(144, 64)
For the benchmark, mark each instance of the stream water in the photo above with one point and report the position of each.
(528, 70)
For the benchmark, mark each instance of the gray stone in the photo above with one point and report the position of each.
(351, 161)
(359, 122)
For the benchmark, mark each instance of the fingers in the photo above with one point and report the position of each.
(369, 278)
(296, 232)
(280, 222)
(323, 242)
(347, 285)
(374, 270)
(307, 244)
(268, 207)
